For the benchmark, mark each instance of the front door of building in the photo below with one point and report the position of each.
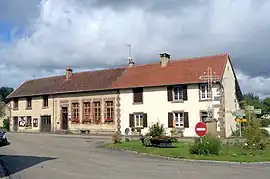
(15, 124)
(64, 114)
(45, 123)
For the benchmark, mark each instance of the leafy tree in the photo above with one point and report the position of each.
(4, 92)
(266, 105)
(252, 100)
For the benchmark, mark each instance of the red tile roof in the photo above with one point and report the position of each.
(177, 72)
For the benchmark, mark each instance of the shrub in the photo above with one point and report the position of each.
(256, 138)
(265, 133)
(116, 137)
(210, 146)
(6, 123)
(156, 130)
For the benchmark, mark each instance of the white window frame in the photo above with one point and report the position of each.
(178, 117)
(204, 90)
(180, 93)
(139, 117)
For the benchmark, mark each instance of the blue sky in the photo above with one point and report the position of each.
(42, 37)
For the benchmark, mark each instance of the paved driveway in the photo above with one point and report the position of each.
(36, 156)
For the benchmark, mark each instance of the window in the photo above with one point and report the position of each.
(28, 103)
(138, 95)
(204, 92)
(87, 112)
(179, 119)
(35, 122)
(203, 116)
(16, 103)
(177, 93)
(28, 121)
(138, 120)
(97, 112)
(45, 101)
(109, 111)
(75, 113)
(22, 121)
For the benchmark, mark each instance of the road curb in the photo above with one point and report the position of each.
(3, 171)
(267, 164)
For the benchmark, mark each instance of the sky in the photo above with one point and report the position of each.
(42, 37)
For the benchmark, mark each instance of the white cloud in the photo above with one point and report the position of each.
(77, 34)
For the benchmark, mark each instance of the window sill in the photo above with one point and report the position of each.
(137, 103)
(45, 107)
(15, 109)
(75, 122)
(178, 101)
(204, 99)
(86, 122)
(28, 108)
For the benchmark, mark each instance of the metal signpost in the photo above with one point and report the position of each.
(201, 130)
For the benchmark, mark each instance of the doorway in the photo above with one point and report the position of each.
(45, 123)
(64, 121)
(15, 124)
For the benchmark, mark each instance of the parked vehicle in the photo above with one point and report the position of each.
(3, 137)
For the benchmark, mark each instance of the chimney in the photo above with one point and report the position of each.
(164, 59)
(68, 73)
(131, 62)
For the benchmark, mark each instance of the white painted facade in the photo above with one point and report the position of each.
(157, 106)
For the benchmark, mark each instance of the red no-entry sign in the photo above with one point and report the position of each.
(201, 129)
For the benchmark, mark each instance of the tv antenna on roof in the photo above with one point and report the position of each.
(129, 49)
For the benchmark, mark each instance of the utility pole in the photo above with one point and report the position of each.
(210, 77)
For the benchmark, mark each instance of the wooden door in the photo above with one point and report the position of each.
(64, 115)
(15, 124)
(45, 123)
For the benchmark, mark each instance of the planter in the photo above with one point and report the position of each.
(161, 142)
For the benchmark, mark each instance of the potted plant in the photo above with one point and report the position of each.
(108, 120)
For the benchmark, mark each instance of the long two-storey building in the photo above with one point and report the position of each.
(176, 93)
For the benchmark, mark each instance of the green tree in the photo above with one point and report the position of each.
(266, 105)
(253, 100)
(4, 92)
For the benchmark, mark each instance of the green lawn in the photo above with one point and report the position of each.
(181, 150)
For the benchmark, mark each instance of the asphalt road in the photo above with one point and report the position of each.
(36, 156)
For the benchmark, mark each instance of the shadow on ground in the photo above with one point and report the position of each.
(16, 163)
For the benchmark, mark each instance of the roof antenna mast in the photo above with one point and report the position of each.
(131, 62)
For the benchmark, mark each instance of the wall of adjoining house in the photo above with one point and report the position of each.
(231, 103)
(156, 105)
(54, 110)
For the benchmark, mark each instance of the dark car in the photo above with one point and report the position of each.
(3, 137)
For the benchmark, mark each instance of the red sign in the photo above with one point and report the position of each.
(201, 129)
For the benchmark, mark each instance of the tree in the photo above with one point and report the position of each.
(4, 92)
(266, 105)
(253, 100)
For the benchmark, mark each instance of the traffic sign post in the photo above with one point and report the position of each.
(201, 130)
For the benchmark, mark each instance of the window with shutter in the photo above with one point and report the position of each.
(179, 119)
(177, 93)
(137, 95)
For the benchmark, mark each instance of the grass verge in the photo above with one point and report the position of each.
(181, 150)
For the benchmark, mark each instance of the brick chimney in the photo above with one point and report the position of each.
(164, 59)
(68, 73)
